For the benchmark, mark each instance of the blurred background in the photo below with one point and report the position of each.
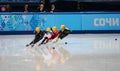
(62, 5)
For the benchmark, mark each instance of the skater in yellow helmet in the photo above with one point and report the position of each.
(55, 33)
(64, 32)
(38, 36)
(47, 35)
(52, 32)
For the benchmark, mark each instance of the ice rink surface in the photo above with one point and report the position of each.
(83, 52)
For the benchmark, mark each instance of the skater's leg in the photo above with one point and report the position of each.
(29, 43)
(60, 37)
(49, 39)
(43, 41)
(33, 42)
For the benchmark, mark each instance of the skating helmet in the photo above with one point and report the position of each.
(54, 28)
(47, 29)
(37, 29)
(62, 27)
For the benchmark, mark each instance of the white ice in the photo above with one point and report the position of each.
(83, 52)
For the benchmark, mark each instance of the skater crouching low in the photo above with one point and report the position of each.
(63, 33)
(39, 34)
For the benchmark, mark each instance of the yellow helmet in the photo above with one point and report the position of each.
(62, 27)
(48, 29)
(37, 29)
(54, 28)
